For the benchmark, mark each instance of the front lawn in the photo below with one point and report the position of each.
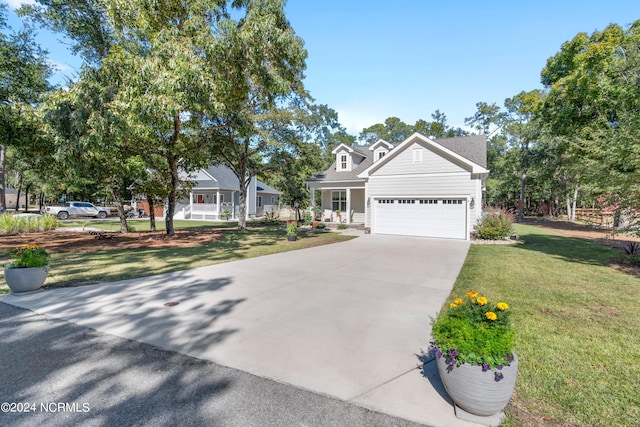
(82, 268)
(577, 322)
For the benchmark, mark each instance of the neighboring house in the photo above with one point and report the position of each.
(421, 187)
(216, 193)
(11, 199)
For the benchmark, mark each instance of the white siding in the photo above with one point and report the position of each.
(419, 185)
(431, 163)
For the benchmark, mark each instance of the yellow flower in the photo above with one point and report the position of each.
(491, 315)
(471, 294)
(502, 306)
(482, 300)
(458, 301)
(453, 305)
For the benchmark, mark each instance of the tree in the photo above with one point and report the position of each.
(522, 130)
(395, 131)
(593, 104)
(487, 119)
(263, 67)
(23, 78)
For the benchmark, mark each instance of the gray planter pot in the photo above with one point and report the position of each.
(25, 279)
(477, 391)
(291, 238)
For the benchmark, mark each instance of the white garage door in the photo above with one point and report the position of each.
(421, 217)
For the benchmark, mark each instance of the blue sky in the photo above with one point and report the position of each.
(374, 59)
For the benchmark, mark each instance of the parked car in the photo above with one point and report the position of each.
(77, 209)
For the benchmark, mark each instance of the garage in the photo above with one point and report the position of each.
(427, 217)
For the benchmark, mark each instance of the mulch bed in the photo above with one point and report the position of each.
(85, 241)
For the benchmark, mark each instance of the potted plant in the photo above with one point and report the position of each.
(292, 229)
(28, 270)
(473, 343)
(339, 215)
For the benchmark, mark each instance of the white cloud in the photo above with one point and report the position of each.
(60, 67)
(355, 117)
(14, 4)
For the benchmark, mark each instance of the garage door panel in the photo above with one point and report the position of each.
(446, 218)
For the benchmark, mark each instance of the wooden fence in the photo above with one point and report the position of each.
(595, 216)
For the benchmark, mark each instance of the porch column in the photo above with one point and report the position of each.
(191, 203)
(313, 197)
(348, 206)
(233, 205)
(218, 204)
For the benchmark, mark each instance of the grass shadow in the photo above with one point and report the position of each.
(532, 238)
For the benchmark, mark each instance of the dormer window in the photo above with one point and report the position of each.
(343, 162)
(381, 154)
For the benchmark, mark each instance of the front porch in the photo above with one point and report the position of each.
(340, 205)
(211, 205)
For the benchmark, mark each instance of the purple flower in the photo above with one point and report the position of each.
(499, 376)
(438, 351)
(500, 366)
(485, 367)
(453, 353)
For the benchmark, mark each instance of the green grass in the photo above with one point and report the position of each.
(74, 269)
(577, 322)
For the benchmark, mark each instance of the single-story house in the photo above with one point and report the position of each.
(11, 199)
(216, 195)
(421, 187)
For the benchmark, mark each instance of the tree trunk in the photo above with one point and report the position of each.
(242, 207)
(18, 197)
(171, 205)
(523, 187)
(575, 202)
(26, 198)
(121, 213)
(3, 200)
(152, 213)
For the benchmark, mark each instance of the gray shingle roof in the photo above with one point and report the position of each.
(472, 148)
(225, 179)
(264, 188)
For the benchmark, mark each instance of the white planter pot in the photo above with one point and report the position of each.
(25, 279)
(477, 391)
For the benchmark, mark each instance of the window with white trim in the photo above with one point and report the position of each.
(342, 165)
(339, 201)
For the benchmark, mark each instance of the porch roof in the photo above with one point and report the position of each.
(261, 187)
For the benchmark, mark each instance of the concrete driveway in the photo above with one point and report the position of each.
(346, 320)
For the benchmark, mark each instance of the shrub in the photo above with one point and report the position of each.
(495, 225)
(292, 228)
(476, 331)
(271, 216)
(343, 227)
(321, 226)
(29, 256)
(49, 222)
(13, 224)
(307, 218)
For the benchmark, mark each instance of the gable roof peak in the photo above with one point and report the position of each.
(348, 149)
(380, 142)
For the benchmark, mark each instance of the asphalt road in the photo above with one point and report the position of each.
(56, 373)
